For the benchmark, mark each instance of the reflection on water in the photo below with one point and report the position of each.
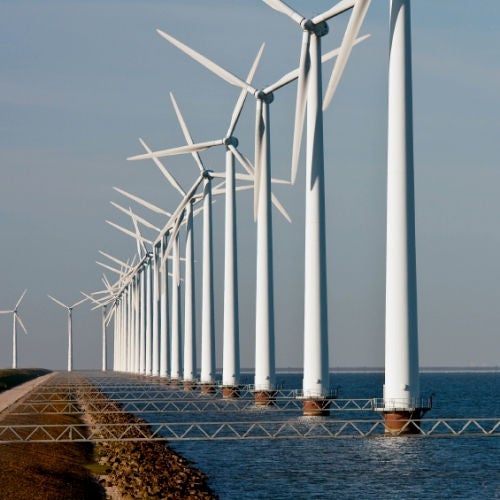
(375, 467)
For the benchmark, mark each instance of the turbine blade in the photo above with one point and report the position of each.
(140, 219)
(187, 134)
(20, 298)
(130, 233)
(109, 315)
(218, 175)
(293, 75)
(100, 292)
(220, 185)
(243, 94)
(19, 320)
(110, 268)
(201, 146)
(6, 312)
(242, 188)
(163, 169)
(143, 202)
(92, 299)
(187, 198)
(280, 181)
(106, 282)
(356, 20)
(280, 207)
(244, 177)
(193, 189)
(172, 236)
(178, 215)
(58, 302)
(79, 302)
(114, 259)
(138, 233)
(244, 162)
(285, 9)
(300, 105)
(200, 209)
(204, 61)
(340, 8)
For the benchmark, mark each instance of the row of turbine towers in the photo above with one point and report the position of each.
(145, 304)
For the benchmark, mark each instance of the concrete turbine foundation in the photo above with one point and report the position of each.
(316, 407)
(207, 388)
(402, 422)
(230, 392)
(265, 398)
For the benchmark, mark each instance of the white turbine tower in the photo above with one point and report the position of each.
(69, 308)
(105, 318)
(402, 385)
(309, 100)
(16, 319)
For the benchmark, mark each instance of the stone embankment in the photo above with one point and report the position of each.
(140, 469)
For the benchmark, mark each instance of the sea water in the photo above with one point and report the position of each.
(377, 467)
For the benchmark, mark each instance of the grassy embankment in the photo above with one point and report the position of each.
(10, 377)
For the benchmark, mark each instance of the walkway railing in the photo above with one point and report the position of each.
(155, 398)
(147, 405)
(304, 427)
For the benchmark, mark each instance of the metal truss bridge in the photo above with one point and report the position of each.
(172, 413)
(308, 428)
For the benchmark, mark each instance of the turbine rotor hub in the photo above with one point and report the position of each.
(231, 141)
(320, 29)
(269, 98)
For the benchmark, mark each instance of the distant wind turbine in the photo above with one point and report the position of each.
(69, 308)
(104, 321)
(15, 319)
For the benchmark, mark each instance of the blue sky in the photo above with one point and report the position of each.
(81, 81)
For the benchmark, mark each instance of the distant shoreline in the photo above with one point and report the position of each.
(374, 369)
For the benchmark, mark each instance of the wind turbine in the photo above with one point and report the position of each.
(231, 368)
(126, 268)
(402, 384)
(145, 290)
(69, 308)
(160, 332)
(309, 98)
(105, 317)
(264, 344)
(207, 376)
(16, 319)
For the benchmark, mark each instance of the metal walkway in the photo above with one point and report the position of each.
(200, 416)
(305, 427)
(146, 405)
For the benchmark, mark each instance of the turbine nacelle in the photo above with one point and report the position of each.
(320, 29)
(261, 95)
(230, 141)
